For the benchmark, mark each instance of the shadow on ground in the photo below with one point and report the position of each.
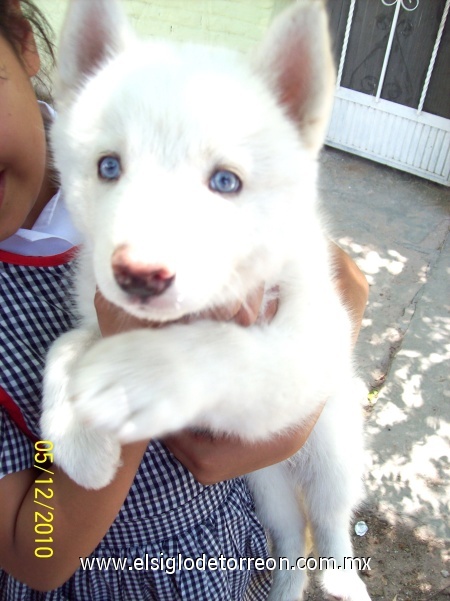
(403, 564)
(396, 226)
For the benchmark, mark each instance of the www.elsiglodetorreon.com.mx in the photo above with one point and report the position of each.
(177, 563)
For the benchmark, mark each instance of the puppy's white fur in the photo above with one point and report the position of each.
(174, 115)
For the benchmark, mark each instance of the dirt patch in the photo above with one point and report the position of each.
(404, 566)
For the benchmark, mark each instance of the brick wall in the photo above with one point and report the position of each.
(236, 23)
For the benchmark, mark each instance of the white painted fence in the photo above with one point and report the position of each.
(400, 136)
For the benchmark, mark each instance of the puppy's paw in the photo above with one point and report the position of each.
(100, 386)
(344, 585)
(89, 457)
(115, 391)
(95, 465)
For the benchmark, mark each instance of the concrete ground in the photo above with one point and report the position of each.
(396, 226)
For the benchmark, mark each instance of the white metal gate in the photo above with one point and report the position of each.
(404, 137)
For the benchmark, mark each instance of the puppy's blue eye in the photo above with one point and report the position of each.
(109, 168)
(225, 182)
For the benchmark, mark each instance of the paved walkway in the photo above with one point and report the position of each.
(396, 226)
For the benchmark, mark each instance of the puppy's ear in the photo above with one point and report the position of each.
(295, 59)
(94, 30)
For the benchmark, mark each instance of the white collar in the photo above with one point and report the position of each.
(53, 232)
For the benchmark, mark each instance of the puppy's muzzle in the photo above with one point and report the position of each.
(139, 279)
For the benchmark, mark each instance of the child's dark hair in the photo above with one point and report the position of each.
(12, 23)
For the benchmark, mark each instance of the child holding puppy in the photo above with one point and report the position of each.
(157, 506)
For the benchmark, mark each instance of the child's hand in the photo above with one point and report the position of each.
(113, 320)
(214, 459)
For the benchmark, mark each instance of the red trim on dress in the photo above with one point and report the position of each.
(51, 261)
(15, 414)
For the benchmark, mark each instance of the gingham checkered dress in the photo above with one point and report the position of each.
(166, 512)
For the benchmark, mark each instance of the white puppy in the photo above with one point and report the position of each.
(191, 173)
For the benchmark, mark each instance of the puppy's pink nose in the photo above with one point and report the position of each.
(139, 279)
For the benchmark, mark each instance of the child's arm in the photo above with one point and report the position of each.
(81, 519)
(212, 460)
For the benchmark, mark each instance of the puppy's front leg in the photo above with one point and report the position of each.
(87, 456)
(147, 383)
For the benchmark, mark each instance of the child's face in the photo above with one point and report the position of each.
(22, 139)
